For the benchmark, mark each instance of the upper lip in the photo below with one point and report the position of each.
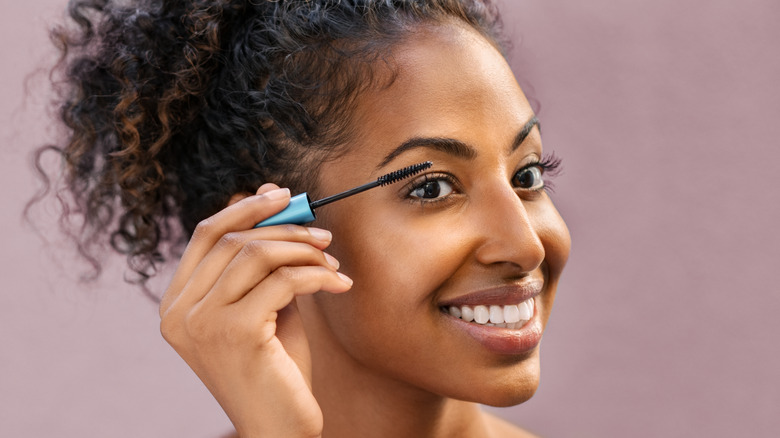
(503, 295)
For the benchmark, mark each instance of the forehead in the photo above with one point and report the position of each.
(450, 81)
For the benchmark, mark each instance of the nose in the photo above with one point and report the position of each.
(508, 233)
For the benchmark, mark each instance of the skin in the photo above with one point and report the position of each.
(261, 315)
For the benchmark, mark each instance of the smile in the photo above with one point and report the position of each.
(507, 316)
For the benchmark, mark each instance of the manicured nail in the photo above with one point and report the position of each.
(275, 195)
(320, 234)
(263, 187)
(345, 278)
(332, 260)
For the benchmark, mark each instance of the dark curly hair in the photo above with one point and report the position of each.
(172, 106)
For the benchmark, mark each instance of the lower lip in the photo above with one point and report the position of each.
(503, 340)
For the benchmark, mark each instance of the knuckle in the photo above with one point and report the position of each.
(170, 330)
(204, 228)
(288, 274)
(299, 279)
(256, 248)
(294, 230)
(231, 240)
(197, 327)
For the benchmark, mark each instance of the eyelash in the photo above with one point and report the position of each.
(550, 166)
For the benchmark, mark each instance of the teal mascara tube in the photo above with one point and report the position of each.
(300, 210)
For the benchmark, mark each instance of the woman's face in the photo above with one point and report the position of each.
(477, 230)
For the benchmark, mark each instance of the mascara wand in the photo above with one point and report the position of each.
(301, 209)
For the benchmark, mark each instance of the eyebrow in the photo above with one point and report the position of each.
(452, 146)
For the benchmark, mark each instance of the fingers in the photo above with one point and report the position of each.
(259, 258)
(242, 215)
(285, 283)
(261, 249)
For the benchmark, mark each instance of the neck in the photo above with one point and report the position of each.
(357, 401)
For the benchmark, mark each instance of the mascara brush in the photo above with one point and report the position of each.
(301, 209)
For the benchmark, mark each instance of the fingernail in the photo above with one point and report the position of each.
(264, 186)
(332, 260)
(275, 195)
(320, 234)
(345, 278)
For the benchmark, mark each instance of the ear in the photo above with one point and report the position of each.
(237, 197)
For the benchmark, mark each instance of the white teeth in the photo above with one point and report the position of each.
(467, 313)
(508, 316)
(511, 314)
(481, 315)
(496, 314)
(526, 309)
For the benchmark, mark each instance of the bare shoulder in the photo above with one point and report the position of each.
(504, 429)
(230, 435)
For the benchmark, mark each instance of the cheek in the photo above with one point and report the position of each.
(399, 257)
(397, 271)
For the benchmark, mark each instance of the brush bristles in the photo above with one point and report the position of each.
(400, 174)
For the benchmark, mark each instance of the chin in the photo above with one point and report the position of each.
(510, 398)
(511, 393)
(505, 386)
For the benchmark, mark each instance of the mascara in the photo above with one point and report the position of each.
(301, 209)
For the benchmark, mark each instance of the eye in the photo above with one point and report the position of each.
(529, 178)
(431, 188)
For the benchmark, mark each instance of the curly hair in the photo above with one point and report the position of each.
(173, 106)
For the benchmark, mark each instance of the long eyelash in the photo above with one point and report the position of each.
(551, 167)
(551, 164)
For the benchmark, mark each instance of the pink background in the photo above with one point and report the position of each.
(667, 116)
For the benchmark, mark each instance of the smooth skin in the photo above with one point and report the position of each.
(261, 315)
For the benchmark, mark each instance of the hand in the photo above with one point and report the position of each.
(230, 313)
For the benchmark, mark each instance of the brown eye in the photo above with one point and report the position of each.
(432, 189)
(529, 178)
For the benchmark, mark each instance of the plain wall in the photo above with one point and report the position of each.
(667, 117)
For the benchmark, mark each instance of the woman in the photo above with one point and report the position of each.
(397, 310)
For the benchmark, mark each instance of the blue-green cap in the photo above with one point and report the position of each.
(298, 212)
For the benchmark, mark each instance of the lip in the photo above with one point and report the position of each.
(501, 340)
(498, 296)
